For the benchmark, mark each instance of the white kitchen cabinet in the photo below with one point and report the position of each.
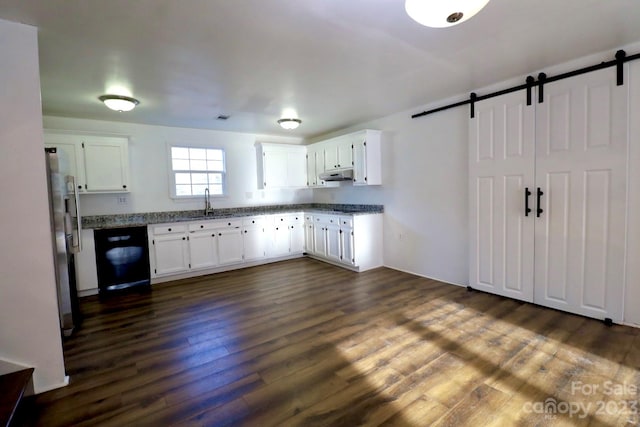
(338, 153)
(308, 234)
(71, 160)
(367, 157)
(169, 249)
(315, 166)
(254, 239)
(565, 159)
(281, 166)
(287, 234)
(334, 252)
(230, 245)
(99, 163)
(297, 236)
(354, 241)
(346, 242)
(106, 162)
(203, 249)
(86, 269)
(358, 150)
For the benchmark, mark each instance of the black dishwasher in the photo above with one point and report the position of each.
(122, 258)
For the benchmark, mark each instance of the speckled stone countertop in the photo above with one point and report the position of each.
(136, 219)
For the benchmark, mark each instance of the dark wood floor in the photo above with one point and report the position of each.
(305, 343)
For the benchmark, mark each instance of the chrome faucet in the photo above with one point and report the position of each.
(207, 202)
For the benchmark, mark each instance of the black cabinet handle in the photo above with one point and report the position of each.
(245, 231)
(124, 186)
(539, 196)
(527, 209)
(202, 226)
(184, 238)
(169, 229)
(79, 187)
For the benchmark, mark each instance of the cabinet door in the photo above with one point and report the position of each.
(230, 246)
(346, 246)
(333, 242)
(203, 249)
(275, 169)
(254, 243)
(331, 156)
(308, 238)
(281, 240)
(345, 154)
(359, 162)
(106, 164)
(297, 238)
(581, 146)
(319, 240)
(170, 254)
(320, 165)
(312, 176)
(501, 169)
(71, 157)
(296, 169)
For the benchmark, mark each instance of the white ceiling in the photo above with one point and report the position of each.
(335, 62)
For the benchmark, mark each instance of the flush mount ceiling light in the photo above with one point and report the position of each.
(442, 13)
(289, 124)
(119, 102)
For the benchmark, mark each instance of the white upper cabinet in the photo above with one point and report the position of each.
(281, 166)
(358, 150)
(100, 164)
(106, 161)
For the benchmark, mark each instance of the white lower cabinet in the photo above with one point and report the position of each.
(169, 249)
(254, 239)
(199, 247)
(287, 234)
(350, 240)
(230, 246)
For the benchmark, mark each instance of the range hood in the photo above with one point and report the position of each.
(337, 175)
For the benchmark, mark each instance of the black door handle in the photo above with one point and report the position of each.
(539, 196)
(527, 209)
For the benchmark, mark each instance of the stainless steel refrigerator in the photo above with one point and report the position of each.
(66, 229)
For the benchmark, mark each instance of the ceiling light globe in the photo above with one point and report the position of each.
(119, 103)
(289, 124)
(444, 13)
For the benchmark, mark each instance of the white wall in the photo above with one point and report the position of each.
(148, 155)
(29, 325)
(424, 193)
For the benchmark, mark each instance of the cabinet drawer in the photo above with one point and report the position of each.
(168, 229)
(228, 223)
(201, 225)
(256, 221)
(346, 221)
(326, 219)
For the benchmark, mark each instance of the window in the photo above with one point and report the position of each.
(195, 169)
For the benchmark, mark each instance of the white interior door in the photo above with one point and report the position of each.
(581, 146)
(501, 168)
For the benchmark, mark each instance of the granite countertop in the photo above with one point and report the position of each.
(143, 219)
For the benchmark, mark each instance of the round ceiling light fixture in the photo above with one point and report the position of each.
(119, 102)
(289, 124)
(442, 13)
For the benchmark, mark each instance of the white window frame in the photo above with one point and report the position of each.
(172, 174)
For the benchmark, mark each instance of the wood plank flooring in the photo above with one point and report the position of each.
(303, 343)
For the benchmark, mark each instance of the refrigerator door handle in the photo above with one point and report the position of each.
(77, 247)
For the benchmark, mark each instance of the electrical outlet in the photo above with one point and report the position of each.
(122, 200)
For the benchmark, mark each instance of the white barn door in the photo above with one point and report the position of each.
(581, 154)
(501, 169)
